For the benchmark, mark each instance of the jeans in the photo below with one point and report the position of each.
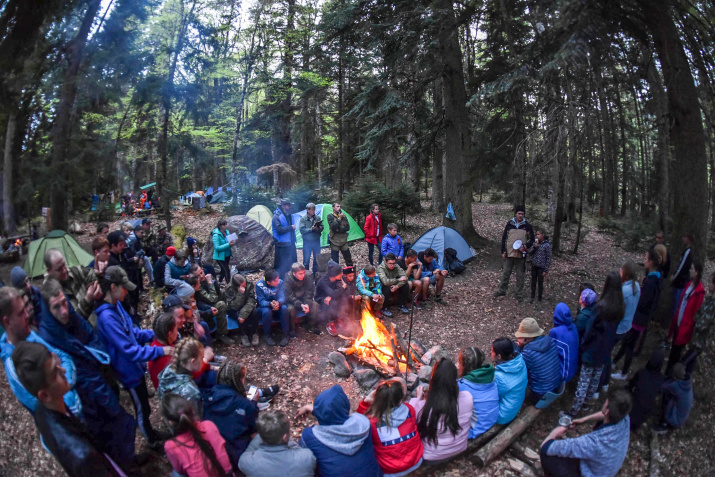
(311, 248)
(268, 316)
(558, 466)
(371, 250)
(518, 264)
(149, 269)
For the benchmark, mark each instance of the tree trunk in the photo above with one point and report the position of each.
(607, 150)
(8, 209)
(438, 204)
(284, 148)
(61, 127)
(660, 102)
(690, 187)
(457, 147)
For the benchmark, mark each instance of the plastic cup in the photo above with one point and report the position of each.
(564, 421)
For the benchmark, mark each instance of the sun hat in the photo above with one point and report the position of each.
(529, 328)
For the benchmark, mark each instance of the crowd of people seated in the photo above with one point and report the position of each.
(70, 345)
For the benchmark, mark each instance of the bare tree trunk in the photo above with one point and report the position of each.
(660, 101)
(7, 178)
(438, 204)
(319, 147)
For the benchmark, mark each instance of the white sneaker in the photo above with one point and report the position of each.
(619, 376)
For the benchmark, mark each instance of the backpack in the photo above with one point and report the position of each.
(451, 262)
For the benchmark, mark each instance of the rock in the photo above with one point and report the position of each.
(439, 355)
(366, 378)
(254, 248)
(341, 368)
(418, 347)
(427, 357)
(424, 386)
(412, 381)
(425, 373)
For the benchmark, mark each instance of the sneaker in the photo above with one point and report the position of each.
(269, 341)
(387, 312)
(225, 340)
(332, 329)
(416, 305)
(595, 396)
(254, 340)
(404, 309)
(440, 300)
(262, 406)
(267, 394)
(291, 334)
(284, 341)
(619, 376)
(315, 330)
(660, 428)
(219, 359)
(245, 341)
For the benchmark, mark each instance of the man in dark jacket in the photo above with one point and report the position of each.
(517, 232)
(338, 237)
(284, 237)
(341, 441)
(160, 267)
(541, 357)
(311, 230)
(329, 294)
(63, 328)
(208, 300)
(62, 433)
(299, 289)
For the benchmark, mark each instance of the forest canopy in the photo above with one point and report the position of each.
(602, 105)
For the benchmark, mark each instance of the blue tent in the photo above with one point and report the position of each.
(440, 238)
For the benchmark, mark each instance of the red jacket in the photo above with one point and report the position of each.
(371, 234)
(397, 449)
(684, 333)
(157, 366)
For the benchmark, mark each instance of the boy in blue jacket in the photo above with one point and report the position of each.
(565, 335)
(126, 346)
(271, 306)
(392, 243)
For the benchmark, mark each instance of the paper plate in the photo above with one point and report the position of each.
(517, 244)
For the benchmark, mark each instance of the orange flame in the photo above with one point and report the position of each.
(374, 334)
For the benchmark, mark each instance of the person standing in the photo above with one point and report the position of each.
(679, 280)
(284, 237)
(517, 232)
(683, 322)
(222, 249)
(540, 263)
(311, 229)
(373, 230)
(338, 237)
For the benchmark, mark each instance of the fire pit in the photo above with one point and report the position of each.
(382, 349)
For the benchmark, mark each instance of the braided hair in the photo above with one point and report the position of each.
(233, 374)
(180, 415)
(186, 349)
(163, 325)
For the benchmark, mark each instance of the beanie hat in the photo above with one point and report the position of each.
(190, 241)
(519, 208)
(334, 269)
(588, 297)
(170, 251)
(17, 276)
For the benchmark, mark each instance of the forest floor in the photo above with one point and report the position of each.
(472, 317)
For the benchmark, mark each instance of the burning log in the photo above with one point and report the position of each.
(396, 359)
(405, 349)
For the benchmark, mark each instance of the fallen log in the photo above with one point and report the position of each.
(506, 437)
(472, 446)
(521, 468)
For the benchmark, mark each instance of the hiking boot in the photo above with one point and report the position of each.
(245, 341)
(498, 294)
(387, 312)
(315, 330)
(404, 309)
(439, 299)
(225, 340)
(254, 340)
(284, 342)
(269, 341)
(619, 376)
(332, 329)
(291, 334)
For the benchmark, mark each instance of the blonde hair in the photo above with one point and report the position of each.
(185, 350)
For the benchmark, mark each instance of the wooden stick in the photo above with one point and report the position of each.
(403, 345)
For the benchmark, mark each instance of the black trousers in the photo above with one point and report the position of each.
(249, 325)
(675, 352)
(537, 278)
(630, 346)
(225, 272)
(555, 466)
(400, 297)
(347, 257)
(142, 409)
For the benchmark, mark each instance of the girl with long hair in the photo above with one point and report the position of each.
(196, 448)
(444, 414)
(189, 358)
(511, 378)
(477, 378)
(683, 322)
(393, 427)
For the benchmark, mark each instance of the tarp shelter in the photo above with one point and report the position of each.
(72, 251)
(144, 187)
(219, 198)
(322, 211)
(440, 238)
(263, 215)
(192, 195)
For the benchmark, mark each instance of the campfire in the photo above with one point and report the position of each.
(386, 351)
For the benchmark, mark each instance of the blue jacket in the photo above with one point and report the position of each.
(368, 286)
(392, 245)
(265, 294)
(542, 365)
(283, 233)
(71, 398)
(341, 442)
(677, 401)
(598, 342)
(429, 269)
(511, 379)
(125, 344)
(631, 300)
(565, 335)
(176, 271)
(105, 417)
(481, 385)
(222, 249)
(234, 416)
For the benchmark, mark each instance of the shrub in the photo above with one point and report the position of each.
(395, 203)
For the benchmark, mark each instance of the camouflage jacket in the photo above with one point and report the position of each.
(244, 302)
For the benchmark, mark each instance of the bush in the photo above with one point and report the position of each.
(395, 203)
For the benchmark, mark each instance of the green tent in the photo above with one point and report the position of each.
(262, 215)
(72, 251)
(322, 211)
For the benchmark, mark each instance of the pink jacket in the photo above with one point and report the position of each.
(186, 456)
(447, 444)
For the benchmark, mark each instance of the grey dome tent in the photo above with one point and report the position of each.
(440, 238)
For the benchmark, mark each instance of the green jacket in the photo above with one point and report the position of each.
(207, 294)
(309, 233)
(338, 229)
(298, 292)
(173, 382)
(244, 303)
(390, 277)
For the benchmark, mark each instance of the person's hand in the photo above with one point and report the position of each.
(241, 320)
(420, 392)
(293, 227)
(444, 272)
(345, 285)
(393, 288)
(304, 410)
(375, 296)
(100, 267)
(402, 279)
(537, 244)
(94, 292)
(327, 300)
(209, 354)
(242, 289)
(214, 311)
(136, 259)
(370, 397)
(305, 308)
(141, 262)
(209, 279)
(168, 350)
(576, 422)
(503, 255)
(232, 243)
(199, 331)
(275, 305)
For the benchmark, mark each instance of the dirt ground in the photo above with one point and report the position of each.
(472, 317)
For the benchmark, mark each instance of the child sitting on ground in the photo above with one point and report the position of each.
(177, 378)
(677, 400)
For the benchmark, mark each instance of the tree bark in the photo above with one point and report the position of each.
(7, 178)
(660, 106)
(61, 127)
(438, 204)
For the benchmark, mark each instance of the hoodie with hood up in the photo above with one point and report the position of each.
(542, 365)
(645, 387)
(565, 335)
(340, 442)
(485, 395)
(677, 400)
(511, 379)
